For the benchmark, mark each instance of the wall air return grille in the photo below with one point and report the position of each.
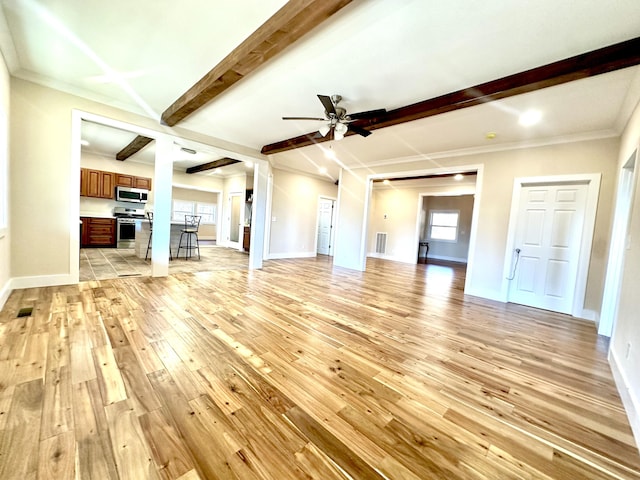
(381, 242)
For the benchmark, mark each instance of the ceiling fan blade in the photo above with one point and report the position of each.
(359, 130)
(367, 114)
(328, 104)
(305, 118)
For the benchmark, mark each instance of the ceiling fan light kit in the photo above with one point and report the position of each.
(338, 119)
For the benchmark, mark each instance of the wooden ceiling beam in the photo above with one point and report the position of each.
(292, 21)
(135, 146)
(223, 162)
(604, 60)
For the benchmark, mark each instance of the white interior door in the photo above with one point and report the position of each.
(325, 225)
(548, 234)
(235, 219)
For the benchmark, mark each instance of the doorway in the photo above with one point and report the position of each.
(619, 241)
(236, 201)
(326, 209)
(551, 228)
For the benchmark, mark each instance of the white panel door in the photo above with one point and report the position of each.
(549, 234)
(325, 220)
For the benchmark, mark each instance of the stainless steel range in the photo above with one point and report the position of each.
(126, 225)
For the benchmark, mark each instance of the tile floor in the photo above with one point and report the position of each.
(104, 263)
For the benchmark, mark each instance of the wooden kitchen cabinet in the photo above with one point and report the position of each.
(133, 181)
(142, 182)
(101, 184)
(124, 180)
(246, 239)
(98, 232)
(96, 183)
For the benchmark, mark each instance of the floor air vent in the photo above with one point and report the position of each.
(24, 312)
(381, 242)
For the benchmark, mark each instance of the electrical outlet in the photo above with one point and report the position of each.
(628, 350)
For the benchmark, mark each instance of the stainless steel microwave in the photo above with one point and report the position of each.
(134, 195)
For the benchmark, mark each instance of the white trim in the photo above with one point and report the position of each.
(592, 180)
(486, 293)
(333, 223)
(629, 400)
(42, 281)
(625, 194)
(5, 291)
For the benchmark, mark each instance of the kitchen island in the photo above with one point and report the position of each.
(142, 237)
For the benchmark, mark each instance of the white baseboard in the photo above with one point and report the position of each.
(278, 256)
(587, 314)
(629, 399)
(485, 293)
(4, 293)
(42, 281)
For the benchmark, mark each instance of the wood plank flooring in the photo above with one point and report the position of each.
(303, 371)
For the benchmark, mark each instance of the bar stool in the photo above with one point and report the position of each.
(191, 225)
(150, 217)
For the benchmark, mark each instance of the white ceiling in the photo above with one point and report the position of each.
(143, 55)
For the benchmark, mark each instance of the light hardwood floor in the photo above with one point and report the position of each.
(298, 371)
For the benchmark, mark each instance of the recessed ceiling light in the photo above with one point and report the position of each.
(490, 135)
(188, 150)
(458, 177)
(530, 117)
(84, 143)
(322, 170)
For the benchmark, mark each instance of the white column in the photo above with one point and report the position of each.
(259, 214)
(163, 177)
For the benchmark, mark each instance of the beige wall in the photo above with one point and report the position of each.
(494, 204)
(627, 327)
(294, 205)
(205, 232)
(41, 154)
(5, 200)
(458, 250)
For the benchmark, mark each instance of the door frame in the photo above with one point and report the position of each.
(592, 180)
(626, 189)
(333, 223)
(230, 243)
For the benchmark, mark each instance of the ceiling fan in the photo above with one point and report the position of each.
(338, 119)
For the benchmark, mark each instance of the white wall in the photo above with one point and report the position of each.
(626, 332)
(500, 170)
(5, 200)
(294, 205)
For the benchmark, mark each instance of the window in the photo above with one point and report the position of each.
(208, 211)
(443, 225)
(182, 208)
